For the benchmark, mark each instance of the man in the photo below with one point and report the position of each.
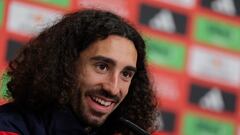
(79, 77)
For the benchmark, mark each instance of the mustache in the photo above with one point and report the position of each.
(104, 93)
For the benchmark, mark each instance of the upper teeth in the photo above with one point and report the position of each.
(100, 101)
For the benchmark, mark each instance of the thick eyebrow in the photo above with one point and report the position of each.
(112, 62)
(131, 68)
(104, 59)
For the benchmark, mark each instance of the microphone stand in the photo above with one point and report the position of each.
(135, 128)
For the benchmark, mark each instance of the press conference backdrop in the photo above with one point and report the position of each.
(193, 51)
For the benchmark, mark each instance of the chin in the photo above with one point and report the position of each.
(95, 121)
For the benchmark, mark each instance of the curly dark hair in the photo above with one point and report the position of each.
(43, 75)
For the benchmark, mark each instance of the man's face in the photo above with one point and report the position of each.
(105, 72)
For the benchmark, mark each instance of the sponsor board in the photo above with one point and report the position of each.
(25, 19)
(212, 98)
(183, 3)
(119, 7)
(59, 3)
(170, 88)
(165, 121)
(163, 20)
(166, 87)
(214, 66)
(166, 53)
(2, 54)
(4, 79)
(217, 33)
(1, 11)
(2, 46)
(12, 49)
(226, 7)
(196, 124)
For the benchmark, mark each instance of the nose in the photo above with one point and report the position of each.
(112, 84)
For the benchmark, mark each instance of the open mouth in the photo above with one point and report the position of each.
(101, 101)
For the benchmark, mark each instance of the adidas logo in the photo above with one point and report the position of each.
(213, 100)
(163, 21)
(224, 6)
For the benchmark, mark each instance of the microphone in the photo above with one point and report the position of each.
(135, 128)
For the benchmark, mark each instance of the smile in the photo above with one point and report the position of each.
(101, 101)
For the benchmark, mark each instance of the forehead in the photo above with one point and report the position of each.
(118, 48)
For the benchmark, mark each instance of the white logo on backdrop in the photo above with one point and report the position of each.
(212, 100)
(29, 20)
(214, 66)
(224, 6)
(163, 21)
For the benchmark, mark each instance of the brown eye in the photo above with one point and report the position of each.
(101, 67)
(127, 75)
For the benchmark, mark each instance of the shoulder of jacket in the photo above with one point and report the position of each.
(10, 120)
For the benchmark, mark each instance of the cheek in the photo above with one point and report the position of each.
(90, 81)
(88, 78)
(125, 89)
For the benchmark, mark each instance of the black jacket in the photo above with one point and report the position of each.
(15, 121)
